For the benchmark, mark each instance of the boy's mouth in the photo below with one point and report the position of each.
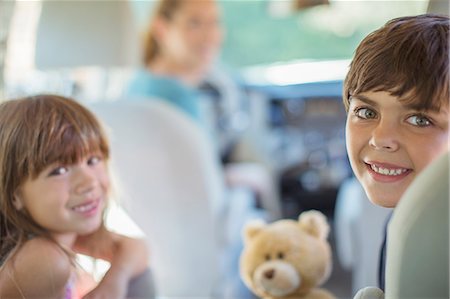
(386, 173)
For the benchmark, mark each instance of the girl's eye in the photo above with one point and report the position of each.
(94, 160)
(419, 121)
(365, 113)
(59, 171)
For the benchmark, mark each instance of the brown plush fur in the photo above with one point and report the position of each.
(287, 259)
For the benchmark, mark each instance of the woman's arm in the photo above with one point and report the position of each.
(128, 258)
(40, 269)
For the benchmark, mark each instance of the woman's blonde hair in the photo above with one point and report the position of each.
(164, 9)
(34, 133)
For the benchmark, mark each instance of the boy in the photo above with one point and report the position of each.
(396, 94)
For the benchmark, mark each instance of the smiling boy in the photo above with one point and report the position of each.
(397, 98)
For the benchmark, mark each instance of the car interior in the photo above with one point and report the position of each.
(273, 105)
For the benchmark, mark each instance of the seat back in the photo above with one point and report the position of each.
(417, 256)
(359, 228)
(173, 186)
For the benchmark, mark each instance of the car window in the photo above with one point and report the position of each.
(257, 33)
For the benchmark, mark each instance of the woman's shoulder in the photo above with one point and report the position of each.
(39, 268)
(142, 79)
(145, 83)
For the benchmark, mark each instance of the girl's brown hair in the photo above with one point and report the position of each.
(34, 133)
(407, 57)
(164, 9)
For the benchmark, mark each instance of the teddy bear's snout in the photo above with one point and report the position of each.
(269, 274)
(276, 278)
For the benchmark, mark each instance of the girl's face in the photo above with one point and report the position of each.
(193, 36)
(390, 143)
(67, 200)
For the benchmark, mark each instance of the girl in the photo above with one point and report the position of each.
(54, 187)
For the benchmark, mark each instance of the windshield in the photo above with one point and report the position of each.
(262, 32)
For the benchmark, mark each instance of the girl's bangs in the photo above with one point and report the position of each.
(66, 139)
(73, 146)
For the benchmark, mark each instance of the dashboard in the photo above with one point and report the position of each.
(306, 142)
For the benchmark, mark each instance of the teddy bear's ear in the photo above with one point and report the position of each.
(252, 228)
(315, 223)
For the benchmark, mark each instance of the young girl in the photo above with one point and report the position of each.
(397, 97)
(54, 187)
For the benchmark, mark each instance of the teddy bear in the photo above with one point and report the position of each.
(287, 259)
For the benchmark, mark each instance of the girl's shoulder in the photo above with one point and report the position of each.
(45, 253)
(39, 268)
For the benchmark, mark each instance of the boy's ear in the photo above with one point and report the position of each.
(17, 201)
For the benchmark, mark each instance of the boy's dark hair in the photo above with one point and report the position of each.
(407, 57)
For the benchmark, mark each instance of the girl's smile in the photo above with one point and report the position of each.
(88, 208)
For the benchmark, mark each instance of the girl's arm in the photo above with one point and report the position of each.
(128, 258)
(40, 269)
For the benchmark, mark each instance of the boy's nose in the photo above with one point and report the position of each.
(385, 137)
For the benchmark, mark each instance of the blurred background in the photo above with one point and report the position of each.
(257, 33)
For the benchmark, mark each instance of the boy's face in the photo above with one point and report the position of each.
(389, 143)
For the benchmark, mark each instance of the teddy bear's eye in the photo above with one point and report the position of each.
(280, 255)
(267, 257)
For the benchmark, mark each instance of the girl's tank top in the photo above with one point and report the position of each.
(71, 290)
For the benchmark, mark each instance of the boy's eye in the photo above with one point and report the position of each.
(419, 120)
(365, 113)
(58, 171)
